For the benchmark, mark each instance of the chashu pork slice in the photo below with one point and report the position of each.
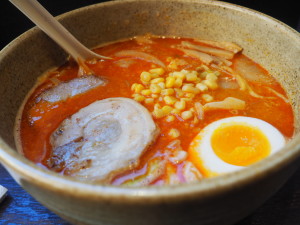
(65, 90)
(102, 139)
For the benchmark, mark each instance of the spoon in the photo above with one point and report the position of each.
(46, 22)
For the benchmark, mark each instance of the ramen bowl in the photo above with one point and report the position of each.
(221, 200)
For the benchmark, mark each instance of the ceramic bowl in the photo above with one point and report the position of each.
(222, 200)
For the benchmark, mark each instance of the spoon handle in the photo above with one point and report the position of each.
(46, 22)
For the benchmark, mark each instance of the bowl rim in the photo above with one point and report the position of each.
(204, 189)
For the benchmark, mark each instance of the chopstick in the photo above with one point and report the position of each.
(3, 192)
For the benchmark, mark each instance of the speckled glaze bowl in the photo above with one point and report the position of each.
(220, 201)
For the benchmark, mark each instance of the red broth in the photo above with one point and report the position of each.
(40, 118)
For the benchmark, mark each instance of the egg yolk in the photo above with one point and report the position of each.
(240, 144)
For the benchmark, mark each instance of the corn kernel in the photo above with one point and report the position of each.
(154, 95)
(211, 77)
(154, 75)
(155, 89)
(175, 111)
(158, 113)
(188, 84)
(145, 77)
(180, 105)
(157, 80)
(170, 118)
(184, 71)
(174, 133)
(198, 80)
(191, 77)
(159, 71)
(149, 100)
(211, 84)
(180, 75)
(170, 81)
(202, 68)
(146, 92)
(190, 89)
(168, 91)
(179, 92)
(133, 86)
(173, 65)
(172, 75)
(186, 99)
(170, 100)
(203, 74)
(186, 115)
(167, 109)
(202, 87)
(192, 109)
(178, 83)
(138, 88)
(194, 72)
(190, 95)
(217, 73)
(157, 106)
(139, 98)
(207, 97)
(162, 85)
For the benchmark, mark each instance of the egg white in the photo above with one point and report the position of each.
(211, 162)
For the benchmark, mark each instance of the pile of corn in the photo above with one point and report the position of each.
(170, 92)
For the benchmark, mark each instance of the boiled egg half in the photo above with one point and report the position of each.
(233, 143)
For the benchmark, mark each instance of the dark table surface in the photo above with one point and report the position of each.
(19, 208)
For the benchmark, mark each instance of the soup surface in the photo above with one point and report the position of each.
(173, 132)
